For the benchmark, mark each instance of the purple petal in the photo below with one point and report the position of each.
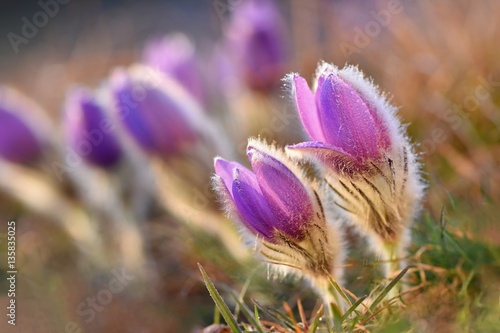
(384, 140)
(346, 119)
(331, 157)
(18, 142)
(306, 107)
(251, 204)
(286, 196)
(166, 121)
(87, 127)
(129, 111)
(152, 116)
(225, 169)
(245, 192)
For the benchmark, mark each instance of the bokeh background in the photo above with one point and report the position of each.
(439, 62)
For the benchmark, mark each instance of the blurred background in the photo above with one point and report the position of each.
(147, 220)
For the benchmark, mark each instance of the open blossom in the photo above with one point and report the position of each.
(20, 141)
(88, 129)
(368, 160)
(276, 205)
(257, 40)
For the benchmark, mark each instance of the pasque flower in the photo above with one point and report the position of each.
(174, 55)
(281, 209)
(20, 141)
(89, 130)
(367, 158)
(257, 40)
(154, 110)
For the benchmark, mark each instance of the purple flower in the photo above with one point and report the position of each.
(269, 200)
(347, 130)
(154, 110)
(367, 159)
(276, 203)
(89, 130)
(175, 56)
(19, 142)
(257, 39)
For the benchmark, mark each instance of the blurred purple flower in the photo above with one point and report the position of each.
(258, 41)
(89, 130)
(174, 55)
(19, 142)
(269, 200)
(155, 110)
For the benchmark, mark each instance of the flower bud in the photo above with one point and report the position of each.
(244, 191)
(87, 129)
(368, 160)
(345, 127)
(174, 55)
(257, 40)
(154, 110)
(20, 142)
(277, 204)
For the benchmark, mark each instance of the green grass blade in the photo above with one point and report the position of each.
(466, 283)
(442, 220)
(244, 290)
(219, 302)
(388, 288)
(442, 231)
(339, 290)
(453, 242)
(253, 319)
(275, 315)
(337, 317)
(315, 322)
(216, 316)
(353, 307)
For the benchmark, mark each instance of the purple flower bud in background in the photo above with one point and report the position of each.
(19, 140)
(175, 56)
(270, 199)
(154, 110)
(88, 130)
(257, 39)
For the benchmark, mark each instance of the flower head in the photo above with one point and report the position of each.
(368, 160)
(270, 199)
(154, 110)
(175, 56)
(347, 127)
(258, 41)
(20, 141)
(278, 205)
(87, 129)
